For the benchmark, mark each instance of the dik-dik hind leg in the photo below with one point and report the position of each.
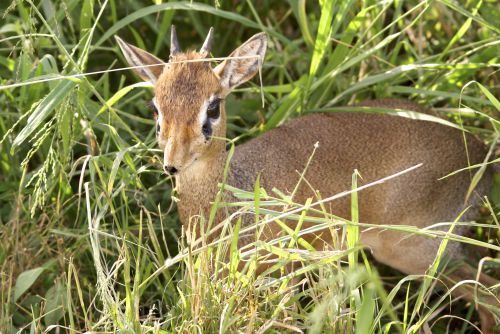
(415, 254)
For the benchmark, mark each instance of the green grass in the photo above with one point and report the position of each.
(90, 237)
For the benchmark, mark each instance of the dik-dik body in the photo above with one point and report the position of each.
(189, 99)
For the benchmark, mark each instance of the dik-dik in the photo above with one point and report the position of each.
(191, 124)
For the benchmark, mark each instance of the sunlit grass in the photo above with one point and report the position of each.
(90, 236)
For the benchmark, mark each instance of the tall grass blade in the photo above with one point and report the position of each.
(43, 110)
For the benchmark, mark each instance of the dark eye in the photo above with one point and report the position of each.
(157, 128)
(206, 129)
(213, 110)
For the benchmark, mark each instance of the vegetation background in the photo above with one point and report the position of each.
(89, 233)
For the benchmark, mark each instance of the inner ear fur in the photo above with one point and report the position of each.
(234, 72)
(138, 57)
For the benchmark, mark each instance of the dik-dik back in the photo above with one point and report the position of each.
(189, 98)
(374, 145)
(377, 146)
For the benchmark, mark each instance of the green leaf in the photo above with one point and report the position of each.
(66, 116)
(286, 106)
(461, 32)
(121, 93)
(54, 308)
(114, 170)
(490, 96)
(299, 10)
(162, 31)
(234, 253)
(354, 60)
(25, 280)
(495, 190)
(342, 49)
(86, 15)
(396, 112)
(192, 6)
(43, 110)
(364, 318)
(322, 38)
(353, 229)
(454, 5)
(390, 74)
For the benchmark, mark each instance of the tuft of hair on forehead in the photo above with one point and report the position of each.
(184, 86)
(184, 57)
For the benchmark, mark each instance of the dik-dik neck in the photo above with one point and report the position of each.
(197, 186)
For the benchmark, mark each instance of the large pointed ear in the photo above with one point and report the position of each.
(143, 59)
(234, 72)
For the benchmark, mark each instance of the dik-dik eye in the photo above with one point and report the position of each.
(213, 110)
(213, 114)
(206, 129)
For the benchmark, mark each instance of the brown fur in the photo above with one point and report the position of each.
(377, 145)
(183, 86)
(180, 90)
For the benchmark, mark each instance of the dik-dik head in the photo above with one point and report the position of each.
(189, 95)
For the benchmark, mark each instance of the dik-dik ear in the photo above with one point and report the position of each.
(139, 57)
(234, 72)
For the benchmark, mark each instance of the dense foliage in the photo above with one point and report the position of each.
(89, 232)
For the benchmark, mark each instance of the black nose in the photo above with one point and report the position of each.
(170, 170)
